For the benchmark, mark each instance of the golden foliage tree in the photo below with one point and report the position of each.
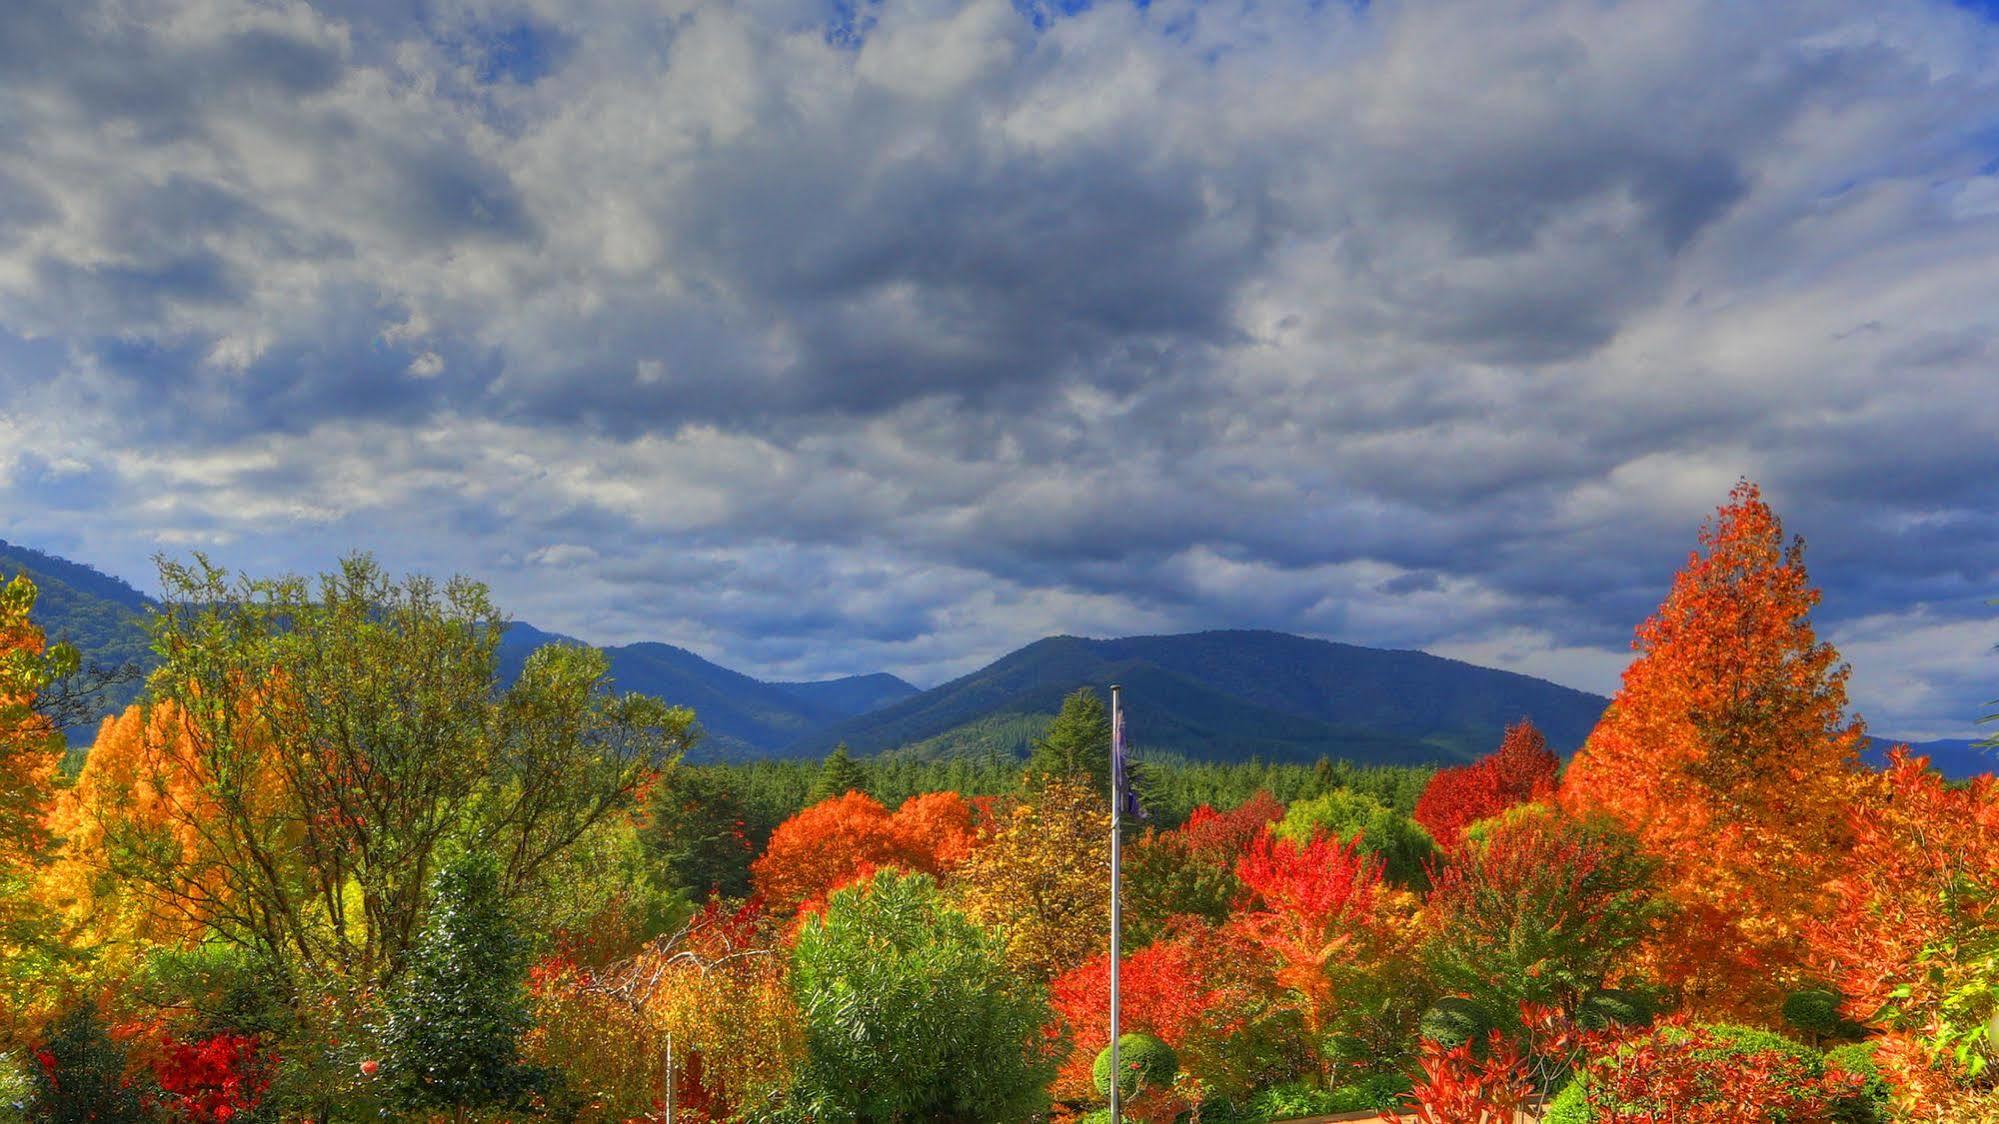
(30, 748)
(1044, 878)
(1729, 753)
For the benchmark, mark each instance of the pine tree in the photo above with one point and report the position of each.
(457, 1014)
(839, 774)
(1076, 747)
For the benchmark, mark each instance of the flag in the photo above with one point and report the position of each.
(1121, 790)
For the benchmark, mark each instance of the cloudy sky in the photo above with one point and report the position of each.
(890, 334)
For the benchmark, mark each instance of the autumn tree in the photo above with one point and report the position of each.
(1728, 751)
(1543, 910)
(844, 838)
(1190, 870)
(1044, 878)
(342, 733)
(1403, 847)
(1520, 771)
(30, 748)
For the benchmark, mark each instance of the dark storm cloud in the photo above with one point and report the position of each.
(824, 350)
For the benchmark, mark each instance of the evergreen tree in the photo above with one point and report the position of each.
(697, 835)
(456, 1016)
(1077, 746)
(79, 1074)
(839, 774)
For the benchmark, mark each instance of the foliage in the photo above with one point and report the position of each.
(1871, 1104)
(1190, 870)
(223, 1077)
(838, 775)
(843, 839)
(1461, 1085)
(30, 748)
(1520, 771)
(1912, 933)
(1729, 753)
(1042, 879)
(1538, 908)
(346, 735)
(457, 1014)
(1146, 1063)
(1815, 1010)
(1710, 1072)
(911, 1012)
(697, 834)
(1403, 847)
(79, 1074)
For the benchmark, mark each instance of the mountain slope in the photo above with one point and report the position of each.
(1233, 695)
(741, 715)
(102, 616)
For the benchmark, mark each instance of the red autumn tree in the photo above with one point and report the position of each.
(1163, 992)
(1729, 752)
(845, 838)
(1521, 770)
(1190, 870)
(1311, 911)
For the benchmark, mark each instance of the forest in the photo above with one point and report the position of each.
(330, 866)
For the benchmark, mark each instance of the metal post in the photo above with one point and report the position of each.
(1117, 912)
(669, 1077)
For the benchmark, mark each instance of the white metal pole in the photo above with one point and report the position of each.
(1117, 912)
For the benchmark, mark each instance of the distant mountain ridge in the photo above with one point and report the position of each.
(1232, 695)
(1222, 695)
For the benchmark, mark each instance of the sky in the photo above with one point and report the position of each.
(893, 334)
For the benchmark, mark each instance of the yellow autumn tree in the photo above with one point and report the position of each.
(1729, 753)
(30, 748)
(1044, 879)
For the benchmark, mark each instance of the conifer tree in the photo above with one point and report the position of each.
(1077, 746)
(839, 774)
(456, 1016)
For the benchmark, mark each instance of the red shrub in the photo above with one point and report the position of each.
(1699, 1074)
(213, 1079)
(1461, 1086)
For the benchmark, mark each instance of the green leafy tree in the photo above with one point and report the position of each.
(344, 734)
(911, 1013)
(1077, 746)
(838, 775)
(1401, 844)
(452, 1037)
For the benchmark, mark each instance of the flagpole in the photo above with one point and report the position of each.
(1117, 912)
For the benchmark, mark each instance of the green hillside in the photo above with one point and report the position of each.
(1230, 696)
(99, 614)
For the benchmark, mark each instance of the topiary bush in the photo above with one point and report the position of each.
(1815, 1010)
(1147, 1062)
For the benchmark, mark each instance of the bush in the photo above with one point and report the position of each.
(78, 1074)
(1147, 1062)
(1815, 1010)
(1295, 1099)
(1454, 1021)
(911, 1012)
(1685, 1071)
(1871, 1104)
(1403, 847)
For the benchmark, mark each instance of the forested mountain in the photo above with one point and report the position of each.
(1232, 695)
(101, 615)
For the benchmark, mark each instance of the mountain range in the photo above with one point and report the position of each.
(1220, 696)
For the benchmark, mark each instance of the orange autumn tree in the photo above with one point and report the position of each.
(843, 839)
(1729, 753)
(30, 748)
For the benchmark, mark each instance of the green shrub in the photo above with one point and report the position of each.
(1569, 1106)
(77, 1074)
(1454, 1021)
(1147, 1062)
(911, 1012)
(1403, 847)
(1815, 1010)
(1871, 1106)
(1295, 1099)
(1616, 1007)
